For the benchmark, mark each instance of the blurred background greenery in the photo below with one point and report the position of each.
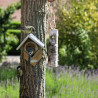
(9, 37)
(77, 75)
(77, 22)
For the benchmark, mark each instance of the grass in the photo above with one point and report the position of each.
(59, 84)
(9, 90)
(71, 85)
(6, 74)
(9, 85)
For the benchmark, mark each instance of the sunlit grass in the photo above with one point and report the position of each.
(68, 85)
(61, 84)
(10, 90)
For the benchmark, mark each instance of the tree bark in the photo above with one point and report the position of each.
(32, 83)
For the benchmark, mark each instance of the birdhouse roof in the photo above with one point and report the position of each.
(33, 38)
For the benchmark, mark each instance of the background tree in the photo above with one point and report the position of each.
(78, 18)
(32, 83)
(5, 24)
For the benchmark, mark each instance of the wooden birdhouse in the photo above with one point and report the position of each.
(32, 49)
(53, 48)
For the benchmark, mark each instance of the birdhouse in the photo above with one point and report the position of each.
(32, 49)
(51, 0)
(53, 48)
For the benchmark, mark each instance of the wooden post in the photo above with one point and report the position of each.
(32, 83)
(53, 48)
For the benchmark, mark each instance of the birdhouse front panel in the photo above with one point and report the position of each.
(34, 51)
(53, 48)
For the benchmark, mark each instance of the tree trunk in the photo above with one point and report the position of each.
(32, 83)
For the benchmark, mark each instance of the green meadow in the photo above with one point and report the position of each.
(60, 83)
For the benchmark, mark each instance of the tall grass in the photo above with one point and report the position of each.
(60, 83)
(71, 85)
(9, 90)
(9, 85)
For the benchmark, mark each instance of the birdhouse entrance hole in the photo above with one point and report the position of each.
(31, 48)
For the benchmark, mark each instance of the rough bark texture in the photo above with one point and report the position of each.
(32, 83)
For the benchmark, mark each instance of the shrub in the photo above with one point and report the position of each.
(15, 42)
(73, 20)
(5, 23)
(13, 30)
(77, 50)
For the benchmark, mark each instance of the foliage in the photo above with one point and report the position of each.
(5, 15)
(77, 50)
(70, 83)
(5, 23)
(78, 16)
(13, 31)
(15, 25)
